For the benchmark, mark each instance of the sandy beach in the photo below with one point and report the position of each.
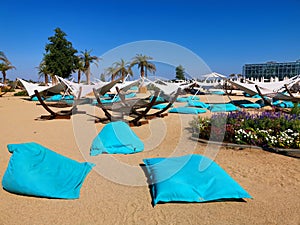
(272, 180)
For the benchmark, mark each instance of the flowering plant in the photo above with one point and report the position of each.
(266, 129)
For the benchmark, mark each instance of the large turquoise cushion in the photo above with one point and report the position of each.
(37, 171)
(116, 138)
(190, 178)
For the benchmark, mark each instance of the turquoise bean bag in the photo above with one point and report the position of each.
(116, 138)
(187, 110)
(190, 178)
(35, 170)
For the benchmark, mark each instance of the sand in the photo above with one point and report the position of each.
(272, 179)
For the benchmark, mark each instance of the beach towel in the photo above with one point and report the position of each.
(190, 178)
(116, 138)
(35, 170)
(187, 110)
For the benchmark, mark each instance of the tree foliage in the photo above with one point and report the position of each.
(87, 59)
(143, 64)
(180, 72)
(5, 65)
(43, 71)
(60, 58)
(122, 69)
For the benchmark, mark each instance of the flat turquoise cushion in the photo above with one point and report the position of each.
(34, 98)
(286, 104)
(109, 101)
(256, 96)
(187, 110)
(186, 99)
(190, 178)
(250, 105)
(54, 98)
(37, 171)
(218, 92)
(160, 106)
(199, 104)
(68, 97)
(228, 107)
(134, 88)
(130, 95)
(158, 99)
(116, 138)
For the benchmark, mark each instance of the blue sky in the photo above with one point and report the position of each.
(226, 34)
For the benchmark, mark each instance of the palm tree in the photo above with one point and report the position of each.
(122, 68)
(80, 68)
(5, 65)
(111, 71)
(143, 64)
(4, 58)
(87, 60)
(43, 71)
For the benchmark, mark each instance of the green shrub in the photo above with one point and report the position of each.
(21, 93)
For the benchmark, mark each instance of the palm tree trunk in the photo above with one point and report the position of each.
(4, 77)
(88, 79)
(79, 76)
(54, 80)
(123, 76)
(142, 72)
(46, 79)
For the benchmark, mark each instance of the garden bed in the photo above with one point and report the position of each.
(288, 152)
(272, 131)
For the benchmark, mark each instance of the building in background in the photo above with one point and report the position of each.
(271, 70)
